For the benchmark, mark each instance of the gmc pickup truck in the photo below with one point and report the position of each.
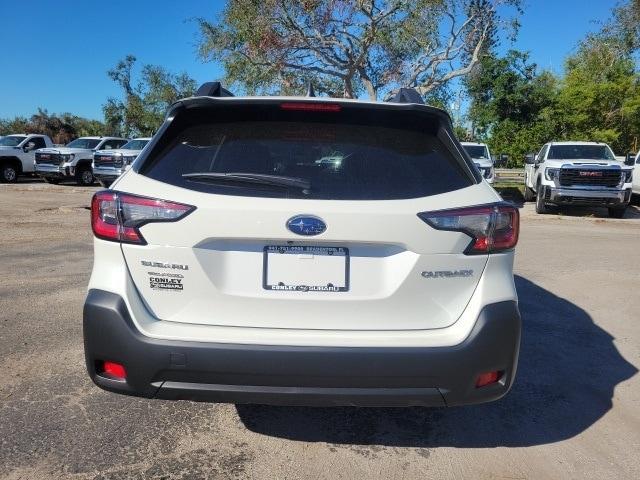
(479, 153)
(17, 154)
(73, 161)
(110, 164)
(577, 173)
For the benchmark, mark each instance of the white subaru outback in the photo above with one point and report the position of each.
(235, 263)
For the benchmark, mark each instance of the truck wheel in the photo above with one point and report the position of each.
(104, 183)
(84, 176)
(529, 194)
(8, 173)
(617, 212)
(541, 207)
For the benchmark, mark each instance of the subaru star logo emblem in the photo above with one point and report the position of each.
(306, 225)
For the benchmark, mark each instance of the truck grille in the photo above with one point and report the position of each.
(107, 161)
(589, 176)
(48, 158)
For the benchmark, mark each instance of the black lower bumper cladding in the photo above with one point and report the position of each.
(288, 375)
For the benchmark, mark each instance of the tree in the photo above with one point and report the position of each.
(145, 101)
(600, 98)
(512, 104)
(349, 47)
(61, 128)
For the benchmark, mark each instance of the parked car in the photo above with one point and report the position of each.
(479, 153)
(577, 173)
(233, 266)
(110, 164)
(635, 186)
(73, 161)
(17, 154)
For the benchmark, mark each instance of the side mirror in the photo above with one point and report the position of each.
(630, 159)
(530, 158)
(29, 146)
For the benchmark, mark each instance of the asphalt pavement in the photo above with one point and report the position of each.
(574, 411)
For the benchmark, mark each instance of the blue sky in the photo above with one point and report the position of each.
(55, 54)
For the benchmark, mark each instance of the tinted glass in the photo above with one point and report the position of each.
(86, 143)
(11, 141)
(39, 141)
(476, 151)
(341, 161)
(577, 152)
(135, 145)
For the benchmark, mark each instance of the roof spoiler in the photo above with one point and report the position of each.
(407, 95)
(213, 89)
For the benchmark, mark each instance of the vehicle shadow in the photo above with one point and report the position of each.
(632, 213)
(568, 370)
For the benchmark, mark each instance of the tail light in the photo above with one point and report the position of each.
(492, 228)
(310, 107)
(118, 216)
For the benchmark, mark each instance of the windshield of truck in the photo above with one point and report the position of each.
(477, 151)
(135, 145)
(12, 141)
(580, 152)
(86, 143)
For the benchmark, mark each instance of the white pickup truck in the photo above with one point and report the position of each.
(479, 153)
(73, 161)
(17, 154)
(110, 164)
(577, 173)
(635, 186)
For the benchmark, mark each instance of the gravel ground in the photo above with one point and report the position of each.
(573, 412)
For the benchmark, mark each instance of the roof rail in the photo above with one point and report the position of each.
(213, 89)
(407, 95)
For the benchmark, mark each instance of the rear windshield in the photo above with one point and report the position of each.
(579, 152)
(336, 160)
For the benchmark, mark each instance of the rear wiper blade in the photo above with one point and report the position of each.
(252, 178)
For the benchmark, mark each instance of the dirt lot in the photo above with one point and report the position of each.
(574, 411)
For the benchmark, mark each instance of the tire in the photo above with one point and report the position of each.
(52, 181)
(617, 212)
(541, 207)
(8, 173)
(529, 194)
(84, 176)
(104, 183)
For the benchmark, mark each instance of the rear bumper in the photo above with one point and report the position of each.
(592, 196)
(290, 375)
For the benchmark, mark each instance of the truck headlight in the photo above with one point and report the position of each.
(128, 160)
(67, 158)
(628, 176)
(552, 173)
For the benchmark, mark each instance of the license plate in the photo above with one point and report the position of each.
(305, 269)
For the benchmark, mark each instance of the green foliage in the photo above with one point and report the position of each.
(512, 105)
(600, 98)
(145, 101)
(61, 128)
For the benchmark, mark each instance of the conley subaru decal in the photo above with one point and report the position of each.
(307, 225)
